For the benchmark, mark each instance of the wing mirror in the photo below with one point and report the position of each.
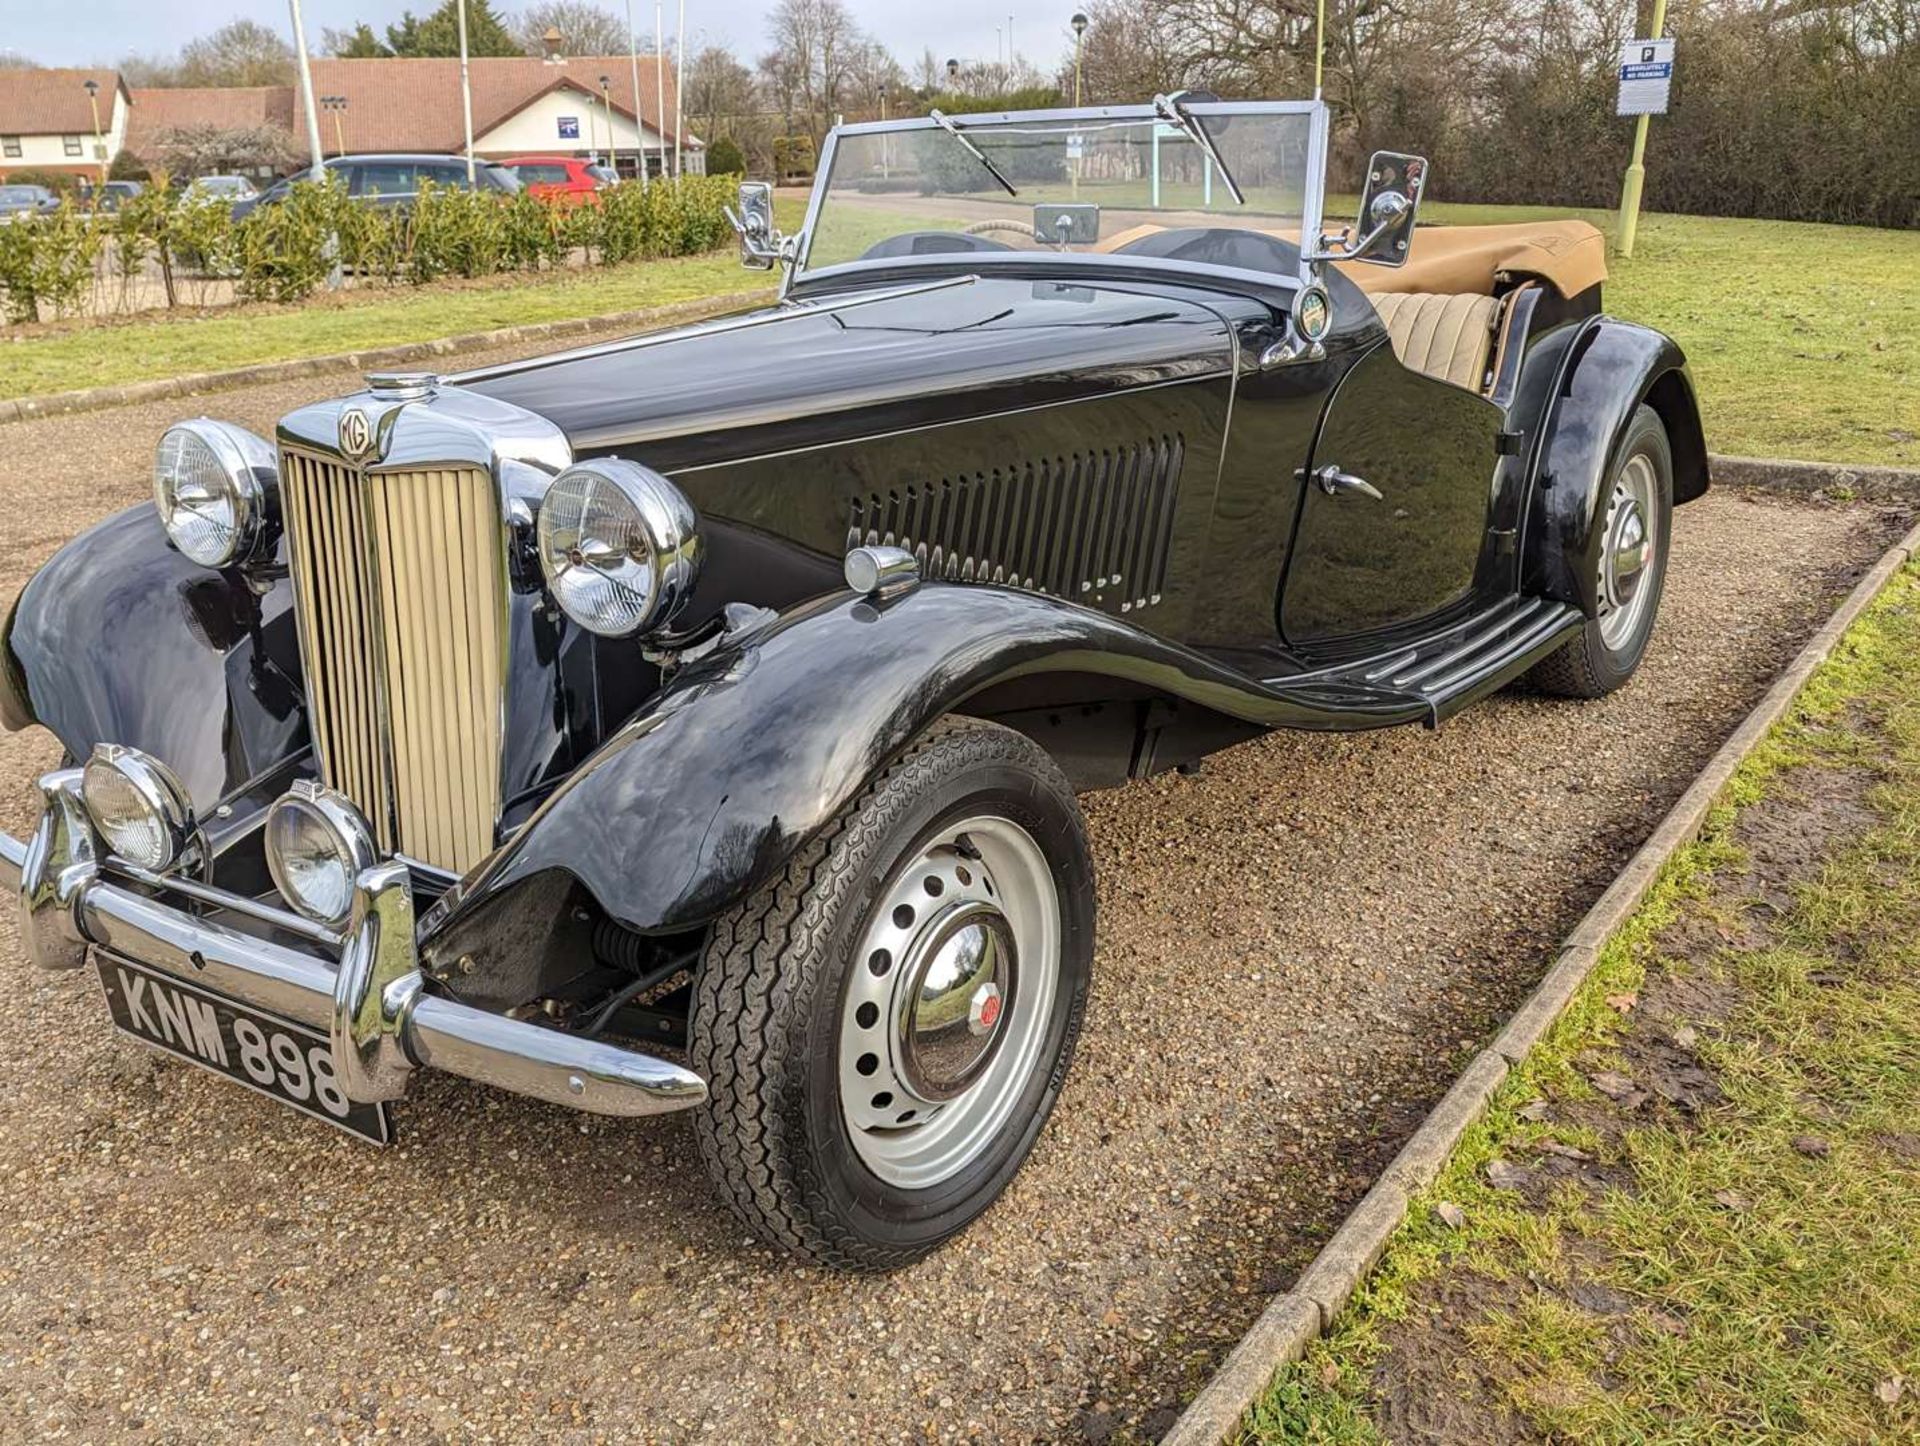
(1388, 207)
(761, 245)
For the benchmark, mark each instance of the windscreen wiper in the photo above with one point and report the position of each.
(979, 155)
(1172, 110)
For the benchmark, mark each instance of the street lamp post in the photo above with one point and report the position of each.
(1079, 24)
(1079, 31)
(606, 104)
(99, 146)
(336, 105)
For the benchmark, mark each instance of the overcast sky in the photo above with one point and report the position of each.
(104, 30)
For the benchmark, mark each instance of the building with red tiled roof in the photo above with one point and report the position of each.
(50, 122)
(522, 105)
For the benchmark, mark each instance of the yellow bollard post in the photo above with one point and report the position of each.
(1637, 166)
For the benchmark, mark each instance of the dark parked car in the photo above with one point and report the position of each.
(112, 196)
(726, 691)
(391, 180)
(24, 200)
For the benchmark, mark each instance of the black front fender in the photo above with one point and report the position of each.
(121, 639)
(712, 787)
(1611, 368)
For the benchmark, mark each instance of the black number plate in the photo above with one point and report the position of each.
(286, 1061)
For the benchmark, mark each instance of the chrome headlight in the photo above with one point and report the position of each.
(137, 806)
(212, 483)
(317, 844)
(619, 547)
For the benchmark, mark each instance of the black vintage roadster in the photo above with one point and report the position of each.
(725, 692)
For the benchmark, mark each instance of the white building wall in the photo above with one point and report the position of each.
(50, 151)
(537, 129)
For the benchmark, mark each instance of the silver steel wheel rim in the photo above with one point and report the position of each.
(916, 1121)
(1629, 553)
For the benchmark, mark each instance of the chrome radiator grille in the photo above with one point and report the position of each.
(401, 594)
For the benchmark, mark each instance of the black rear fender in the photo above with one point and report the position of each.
(1599, 381)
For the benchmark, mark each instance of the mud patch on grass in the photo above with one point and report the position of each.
(1432, 1386)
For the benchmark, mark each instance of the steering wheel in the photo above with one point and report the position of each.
(1018, 228)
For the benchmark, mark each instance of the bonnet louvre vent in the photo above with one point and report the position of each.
(1092, 526)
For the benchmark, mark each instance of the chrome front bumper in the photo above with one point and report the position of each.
(362, 988)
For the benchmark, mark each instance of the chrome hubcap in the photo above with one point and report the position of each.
(955, 1000)
(947, 1002)
(1627, 552)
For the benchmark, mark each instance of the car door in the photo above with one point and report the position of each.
(1394, 507)
(384, 183)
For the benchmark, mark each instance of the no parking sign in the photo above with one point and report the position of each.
(1646, 74)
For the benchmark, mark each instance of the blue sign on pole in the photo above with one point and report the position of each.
(569, 127)
(1646, 75)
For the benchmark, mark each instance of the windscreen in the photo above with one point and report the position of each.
(1104, 185)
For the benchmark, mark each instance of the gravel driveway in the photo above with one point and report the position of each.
(1300, 947)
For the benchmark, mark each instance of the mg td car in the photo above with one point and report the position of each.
(694, 722)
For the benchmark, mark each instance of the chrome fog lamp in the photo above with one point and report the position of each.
(139, 809)
(317, 844)
(619, 546)
(213, 484)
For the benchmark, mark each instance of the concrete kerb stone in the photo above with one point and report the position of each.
(1355, 1248)
(1530, 1023)
(1282, 1334)
(21, 409)
(1330, 1280)
(1425, 1154)
(1874, 484)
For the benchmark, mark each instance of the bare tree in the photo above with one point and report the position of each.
(207, 150)
(241, 52)
(585, 28)
(813, 43)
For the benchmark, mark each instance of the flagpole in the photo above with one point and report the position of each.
(659, 80)
(1319, 46)
(639, 126)
(466, 90)
(334, 277)
(679, 87)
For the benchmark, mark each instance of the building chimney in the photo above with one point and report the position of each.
(551, 43)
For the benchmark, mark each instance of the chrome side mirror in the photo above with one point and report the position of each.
(760, 244)
(1388, 208)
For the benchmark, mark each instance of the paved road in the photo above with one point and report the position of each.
(1299, 946)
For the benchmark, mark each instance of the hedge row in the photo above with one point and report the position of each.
(283, 252)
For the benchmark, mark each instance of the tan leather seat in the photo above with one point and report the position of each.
(1447, 337)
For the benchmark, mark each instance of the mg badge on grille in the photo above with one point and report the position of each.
(356, 434)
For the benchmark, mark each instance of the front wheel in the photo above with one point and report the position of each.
(1636, 524)
(885, 1026)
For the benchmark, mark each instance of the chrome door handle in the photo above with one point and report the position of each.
(1333, 482)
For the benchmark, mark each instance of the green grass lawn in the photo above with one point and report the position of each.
(1691, 1215)
(163, 347)
(1805, 340)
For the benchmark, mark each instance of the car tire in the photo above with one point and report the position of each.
(885, 1026)
(1608, 650)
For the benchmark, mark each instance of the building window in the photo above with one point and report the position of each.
(10, 147)
(72, 144)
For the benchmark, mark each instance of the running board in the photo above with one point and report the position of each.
(1439, 676)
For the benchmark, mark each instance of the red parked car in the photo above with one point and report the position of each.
(566, 178)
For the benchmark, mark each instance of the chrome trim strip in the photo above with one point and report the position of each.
(282, 919)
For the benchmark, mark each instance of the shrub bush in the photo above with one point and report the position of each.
(725, 158)
(283, 252)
